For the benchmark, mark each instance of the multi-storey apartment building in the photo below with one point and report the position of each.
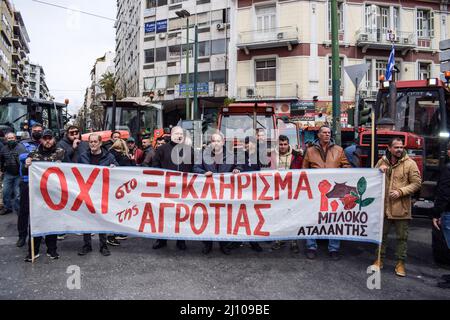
(284, 46)
(6, 49)
(128, 47)
(37, 86)
(161, 52)
(20, 51)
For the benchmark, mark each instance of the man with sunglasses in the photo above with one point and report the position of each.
(72, 145)
(47, 151)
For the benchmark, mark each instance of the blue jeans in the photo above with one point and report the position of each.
(445, 226)
(333, 245)
(11, 192)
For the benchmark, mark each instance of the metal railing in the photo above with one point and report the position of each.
(263, 91)
(269, 35)
(382, 37)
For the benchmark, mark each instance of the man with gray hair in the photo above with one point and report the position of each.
(216, 159)
(176, 156)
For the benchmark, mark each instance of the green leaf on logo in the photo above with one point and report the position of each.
(354, 194)
(367, 202)
(362, 185)
(358, 201)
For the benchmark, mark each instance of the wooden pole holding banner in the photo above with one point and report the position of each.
(32, 249)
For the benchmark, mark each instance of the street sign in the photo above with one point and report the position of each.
(202, 89)
(357, 72)
(150, 27)
(161, 26)
(303, 105)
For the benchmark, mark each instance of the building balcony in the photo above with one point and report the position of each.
(379, 39)
(287, 91)
(270, 38)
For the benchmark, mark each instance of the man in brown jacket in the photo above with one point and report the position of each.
(324, 154)
(402, 180)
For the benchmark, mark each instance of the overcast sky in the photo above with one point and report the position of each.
(67, 43)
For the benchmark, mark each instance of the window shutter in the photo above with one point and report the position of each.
(431, 22)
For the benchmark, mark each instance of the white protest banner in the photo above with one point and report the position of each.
(344, 204)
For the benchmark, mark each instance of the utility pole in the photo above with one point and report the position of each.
(336, 82)
(195, 113)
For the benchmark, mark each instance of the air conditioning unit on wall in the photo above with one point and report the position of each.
(220, 26)
(162, 36)
(250, 92)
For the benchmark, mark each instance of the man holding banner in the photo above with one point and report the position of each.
(324, 154)
(100, 157)
(47, 151)
(174, 156)
(216, 159)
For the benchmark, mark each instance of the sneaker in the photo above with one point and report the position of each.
(105, 251)
(121, 237)
(21, 242)
(278, 245)
(335, 256)
(61, 236)
(28, 257)
(311, 254)
(112, 241)
(84, 250)
(294, 247)
(53, 255)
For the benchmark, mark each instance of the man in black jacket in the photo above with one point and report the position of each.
(72, 145)
(47, 151)
(441, 214)
(10, 165)
(96, 155)
(175, 156)
(216, 159)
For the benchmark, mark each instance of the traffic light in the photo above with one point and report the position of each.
(364, 111)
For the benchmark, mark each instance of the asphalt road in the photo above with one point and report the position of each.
(136, 271)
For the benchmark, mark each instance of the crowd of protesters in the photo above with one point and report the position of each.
(403, 179)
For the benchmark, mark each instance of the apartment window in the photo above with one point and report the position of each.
(161, 54)
(266, 70)
(175, 1)
(149, 55)
(379, 20)
(162, 3)
(380, 68)
(203, 19)
(149, 84)
(174, 52)
(161, 82)
(150, 4)
(340, 13)
(218, 46)
(330, 73)
(424, 70)
(266, 18)
(218, 76)
(173, 80)
(425, 23)
(204, 48)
